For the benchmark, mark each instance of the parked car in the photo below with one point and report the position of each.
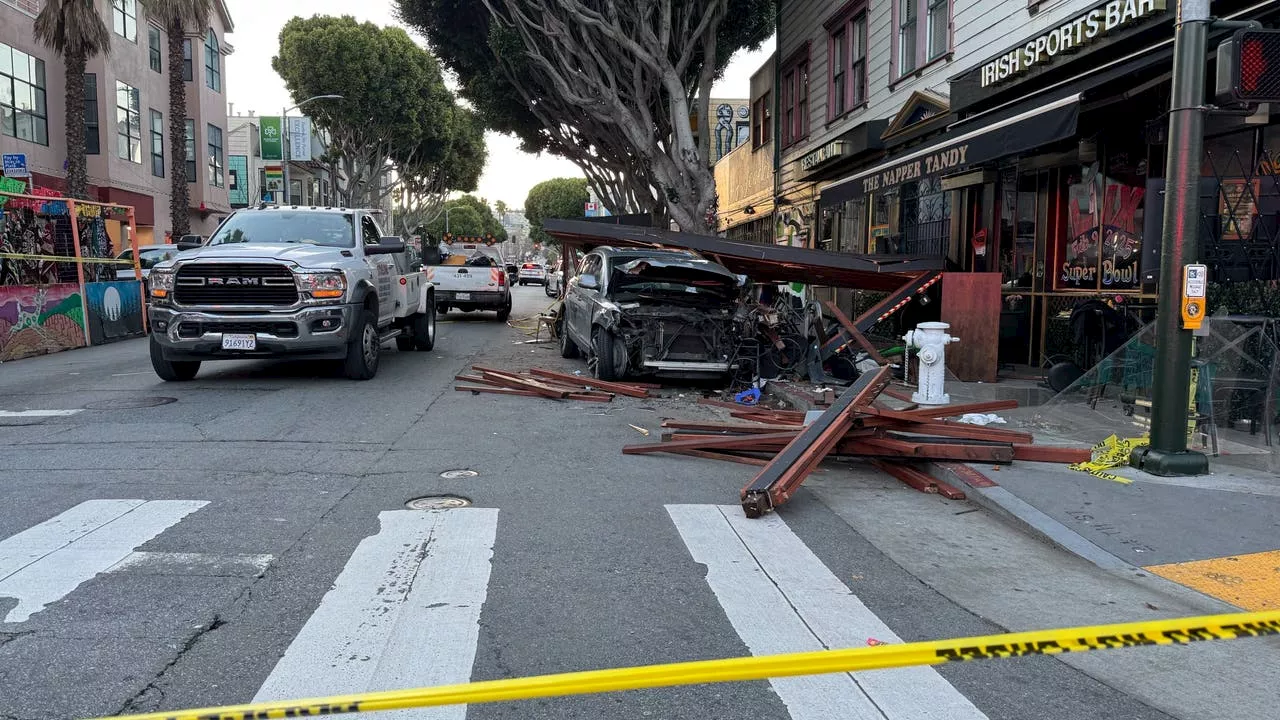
(148, 257)
(640, 310)
(552, 286)
(313, 283)
(534, 273)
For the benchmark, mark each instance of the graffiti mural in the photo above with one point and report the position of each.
(24, 232)
(115, 310)
(38, 319)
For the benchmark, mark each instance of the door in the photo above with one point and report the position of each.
(973, 242)
(579, 301)
(382, 268)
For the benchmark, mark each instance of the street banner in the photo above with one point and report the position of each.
(272, 138)
(275, 178)
(300, 138)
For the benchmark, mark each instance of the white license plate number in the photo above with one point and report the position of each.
(239, 342)
(463, 296)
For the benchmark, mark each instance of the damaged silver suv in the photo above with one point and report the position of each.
(639, 311)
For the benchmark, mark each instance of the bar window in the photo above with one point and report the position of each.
(922, 34)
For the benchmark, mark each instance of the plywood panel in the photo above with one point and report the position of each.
(971, 305)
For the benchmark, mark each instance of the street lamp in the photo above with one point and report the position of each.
(284, 120)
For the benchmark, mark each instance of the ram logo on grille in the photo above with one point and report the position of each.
(237, 281)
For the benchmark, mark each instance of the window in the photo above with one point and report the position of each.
(23, 113)
(922, 33)
(762, 120)
(187, 72)
(848, 43)
(124, 13)
(369, 229)
(128, 123)
(217, 164)
(191, 150)
(212, 63)
(153, 43)
(157, 143)
(92, 126)
(795, 100)
(295, 192)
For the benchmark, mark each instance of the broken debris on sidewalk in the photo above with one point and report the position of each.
(547, 384)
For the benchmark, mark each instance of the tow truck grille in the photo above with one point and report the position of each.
(235, 284)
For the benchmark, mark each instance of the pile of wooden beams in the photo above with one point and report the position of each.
(547, 384)
(857, 424)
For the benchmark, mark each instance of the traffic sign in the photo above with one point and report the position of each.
(15, 165)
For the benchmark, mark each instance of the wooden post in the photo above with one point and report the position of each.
(84, 297)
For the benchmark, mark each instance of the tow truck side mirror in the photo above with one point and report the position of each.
(389, 245)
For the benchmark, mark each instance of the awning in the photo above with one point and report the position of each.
(960, 149)
(762, 263)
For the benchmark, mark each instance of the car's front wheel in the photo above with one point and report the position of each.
(171, 370)
(611, 356)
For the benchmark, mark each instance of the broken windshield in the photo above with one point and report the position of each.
(313, 228)
(673, 281)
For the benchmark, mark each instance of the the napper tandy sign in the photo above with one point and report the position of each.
(931, 164)
(1069, 37)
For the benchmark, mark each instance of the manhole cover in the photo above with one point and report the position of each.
(437, 502)
(130, 403)
(458, 474)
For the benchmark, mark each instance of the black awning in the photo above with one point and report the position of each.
(762, 263)
(962, 147)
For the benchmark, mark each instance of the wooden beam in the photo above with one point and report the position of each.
(614, 387)
(1050, 454)
(852, 329)
(710, 455)
(744, 442)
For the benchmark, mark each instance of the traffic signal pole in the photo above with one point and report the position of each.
(1167, 454)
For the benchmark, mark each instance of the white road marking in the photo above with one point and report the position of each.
(404, 612)
(44, 563)
(194, 563)
(36, 413)
(781, 598)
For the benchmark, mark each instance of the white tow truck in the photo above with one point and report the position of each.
(470, 276)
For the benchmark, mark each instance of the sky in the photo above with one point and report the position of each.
(253, 85)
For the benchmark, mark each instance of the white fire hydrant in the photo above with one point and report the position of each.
(932, 339)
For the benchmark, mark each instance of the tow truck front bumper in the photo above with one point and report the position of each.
(318, 333)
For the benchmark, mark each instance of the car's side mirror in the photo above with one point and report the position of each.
(190, 242)
(588, 282)
(389, 245)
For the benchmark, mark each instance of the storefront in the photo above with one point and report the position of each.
(1050, 173)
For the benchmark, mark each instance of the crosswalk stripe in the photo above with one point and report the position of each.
(780, 597)
(44, 563)
(404, 612)
(36, 413)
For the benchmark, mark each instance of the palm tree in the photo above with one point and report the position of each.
(74, 30)
(176, 16)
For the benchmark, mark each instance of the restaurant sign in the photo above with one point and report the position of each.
(943, 160)
(822, 155)
(1069, 37)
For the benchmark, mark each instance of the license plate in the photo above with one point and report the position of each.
(463, 296)
(239, 342)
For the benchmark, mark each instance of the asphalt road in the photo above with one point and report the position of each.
(249, 538)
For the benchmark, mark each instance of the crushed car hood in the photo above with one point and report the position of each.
(676, 280)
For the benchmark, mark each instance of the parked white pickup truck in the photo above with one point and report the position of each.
(314, 283)
(470, 276)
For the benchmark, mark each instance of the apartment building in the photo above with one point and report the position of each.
(126, 107)
(1020, 139)
(310, 180)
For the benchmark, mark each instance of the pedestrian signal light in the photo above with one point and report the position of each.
(1249, 67)
(1195, 283)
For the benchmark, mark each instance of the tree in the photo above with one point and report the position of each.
(500, 207)
(396, 118)
(176, 16)
(555, 198)
(425, 185)
(74, 30)
(468, 215)
(609, 90)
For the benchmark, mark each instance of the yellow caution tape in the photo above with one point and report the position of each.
(60, 258)
(1112, 452)
(1037, 642)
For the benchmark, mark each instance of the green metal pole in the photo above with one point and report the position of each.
(1171, 391)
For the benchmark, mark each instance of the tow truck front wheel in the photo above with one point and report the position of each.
(365, 349)
(171, 370)
(424, 329)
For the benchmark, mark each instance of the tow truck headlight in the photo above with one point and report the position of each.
(161, 282)
(322, 284)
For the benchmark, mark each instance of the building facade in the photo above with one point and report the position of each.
(126, 110)
(252, 180)
(1023, 139)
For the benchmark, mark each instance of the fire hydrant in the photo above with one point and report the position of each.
(932, 339)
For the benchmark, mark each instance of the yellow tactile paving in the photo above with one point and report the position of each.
(1250, 582)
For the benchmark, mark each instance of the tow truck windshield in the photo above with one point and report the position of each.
(329, 229)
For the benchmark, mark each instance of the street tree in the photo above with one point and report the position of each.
(74, 30)
(395, 117)
(610, 89)
(556, 198)
(424, 185)
(467, 215)
(176, 16)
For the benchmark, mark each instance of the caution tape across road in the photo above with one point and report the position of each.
(60, 258)
(1037, 642)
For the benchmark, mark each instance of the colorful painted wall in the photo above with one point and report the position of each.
(39, 319)
(115, 310)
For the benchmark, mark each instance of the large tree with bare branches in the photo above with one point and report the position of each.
(608, 85)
